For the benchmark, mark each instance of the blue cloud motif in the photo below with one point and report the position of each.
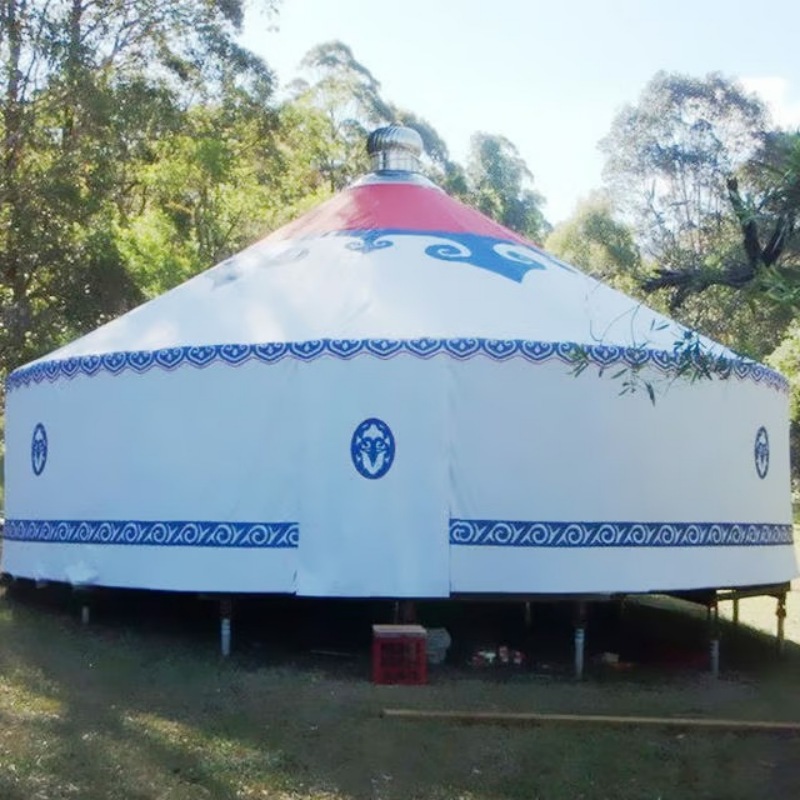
(509, 259)
(372, 448)
(39, 449)
(761, 452)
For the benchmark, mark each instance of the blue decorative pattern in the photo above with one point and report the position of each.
(169, 359)
(372, 448)
(38, 449)
(162, 534)
(505, 257)
(504, 533)
(471, 532)
(761, 452)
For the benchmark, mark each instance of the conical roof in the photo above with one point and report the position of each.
(392, 258)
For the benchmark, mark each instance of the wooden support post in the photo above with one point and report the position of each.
(713, 617)
(736, 611)
(225, 613)
(580, 639)
(780, 613)
(408, 612)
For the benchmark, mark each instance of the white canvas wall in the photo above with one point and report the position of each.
(259, 455)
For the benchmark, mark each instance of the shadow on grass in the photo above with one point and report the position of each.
(139, 705)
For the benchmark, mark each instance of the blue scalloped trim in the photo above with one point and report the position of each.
(506, 533)
(162, 534)
(169, 359)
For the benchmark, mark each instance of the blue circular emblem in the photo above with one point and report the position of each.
(761, 452)
(39, 449)
(372, 448)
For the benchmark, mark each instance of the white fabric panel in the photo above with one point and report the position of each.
(478, 439)
(398, 292)
(183, 569)
(384, 537)
(549, 447)
(568, 570)
(538, 443)
(194, 445)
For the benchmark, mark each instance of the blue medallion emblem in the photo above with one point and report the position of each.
(372, 448)
(39, 449)
(762, 452)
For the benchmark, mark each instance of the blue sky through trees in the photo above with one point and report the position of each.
(549, 76)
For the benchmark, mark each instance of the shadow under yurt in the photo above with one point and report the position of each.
(396, 397)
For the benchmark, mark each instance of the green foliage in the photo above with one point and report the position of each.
(594, 240)
(88, 92)
(345, 98)
(786, 359)
(501, 186)
(668, 159)
(712, 197)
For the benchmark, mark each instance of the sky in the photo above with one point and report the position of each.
(548, 76)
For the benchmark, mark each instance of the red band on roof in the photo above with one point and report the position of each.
(396, 206)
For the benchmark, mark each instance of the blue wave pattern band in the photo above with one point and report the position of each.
(162, 534)
(170, 359)
(500, 533)
(469, 532)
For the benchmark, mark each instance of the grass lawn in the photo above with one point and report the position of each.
(126, 711)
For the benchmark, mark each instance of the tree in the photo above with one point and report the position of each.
(436, 158)
(207, 192)
(596, 242)
(345, 96)
(501, 186)
(87, 90)
(669, 162)
(768, 216)
(338, 101)
(711, 194)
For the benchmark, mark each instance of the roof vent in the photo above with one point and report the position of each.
(395, 148)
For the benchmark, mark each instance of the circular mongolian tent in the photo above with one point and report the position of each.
(395, 396)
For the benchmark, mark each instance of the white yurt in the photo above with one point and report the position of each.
(395, 396)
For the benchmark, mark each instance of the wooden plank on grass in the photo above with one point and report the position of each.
(500, 718)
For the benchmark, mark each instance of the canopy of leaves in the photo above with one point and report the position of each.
(669, 158)
(598, 243)
(500, 185)
(708, 188)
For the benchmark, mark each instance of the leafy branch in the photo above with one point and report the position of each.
(691, 360)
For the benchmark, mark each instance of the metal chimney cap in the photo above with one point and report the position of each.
(395, 147)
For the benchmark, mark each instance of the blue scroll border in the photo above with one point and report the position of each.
(462, 533)
(273, 535)
(234, 355)
(511, 533)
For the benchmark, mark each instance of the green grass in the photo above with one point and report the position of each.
(107, 711)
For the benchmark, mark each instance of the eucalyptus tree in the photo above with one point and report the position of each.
(596, 241)
(343, 102)
(668, 162)
(500, 184)
(711, 192)
(87, 90)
